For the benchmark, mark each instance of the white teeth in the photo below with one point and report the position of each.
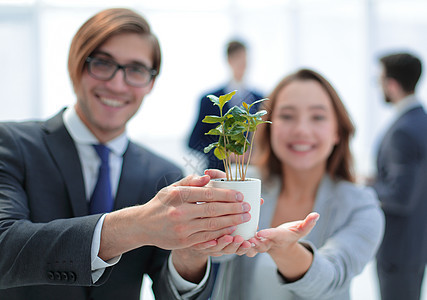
(112, 102)
(301, 148)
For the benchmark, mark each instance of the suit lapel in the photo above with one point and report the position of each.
(64, 152)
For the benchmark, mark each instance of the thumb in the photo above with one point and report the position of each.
(308, 224)
(301, 228)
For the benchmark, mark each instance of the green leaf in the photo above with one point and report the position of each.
(259, 114)
(215, 131)
(225, 98)
(210, 147)
(220, 153)
(213, 119)
(236, 148)
(237, 113)
(214, 99)
(239, 138)
(258, 101)
(235, 129)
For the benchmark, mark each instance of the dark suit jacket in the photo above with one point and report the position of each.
(198, 140)
(402, 189)
(45, 230)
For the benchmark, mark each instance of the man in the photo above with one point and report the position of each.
(237, 60)
(60, 180)
(401, 182)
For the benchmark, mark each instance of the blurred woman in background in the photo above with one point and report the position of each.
(305, 163)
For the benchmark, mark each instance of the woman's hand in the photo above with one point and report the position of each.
(292, 259)
(283, 236)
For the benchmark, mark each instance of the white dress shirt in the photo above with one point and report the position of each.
(90, 162)
(405, 105)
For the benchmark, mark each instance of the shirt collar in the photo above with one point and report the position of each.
(234, 85)
(406, 104)
(82, 135)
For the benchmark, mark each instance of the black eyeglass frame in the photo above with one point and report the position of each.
(151, 72)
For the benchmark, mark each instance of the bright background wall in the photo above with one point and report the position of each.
(341, 39)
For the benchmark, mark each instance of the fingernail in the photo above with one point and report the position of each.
(239, 197)
(246, 207)
(232, 228)
(253, 245)
(246, 217)
(211, 244)
(315, 219)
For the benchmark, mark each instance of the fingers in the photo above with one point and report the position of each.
(213, 173)
(193, 180)
(214, 246)
(217, 209)
(300, 228)
(238, 246)
(260, 245)
(244, 248)
(178, 195)
(218, 223)
(204, 194)
(185, 191)
(201, 237)
(224, 245)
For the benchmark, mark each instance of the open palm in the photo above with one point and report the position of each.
(283, 236)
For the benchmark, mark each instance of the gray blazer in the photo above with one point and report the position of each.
(401, 186)
(45, 230)
(343, 241)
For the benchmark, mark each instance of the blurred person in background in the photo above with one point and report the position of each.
(401, 181)
(305, 163)
(237, 61)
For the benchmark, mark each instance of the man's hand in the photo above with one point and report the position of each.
(181, 215)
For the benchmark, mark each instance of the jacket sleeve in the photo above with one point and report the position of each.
(164, 289)
(400, 174)
(37, 253)
(344, 255)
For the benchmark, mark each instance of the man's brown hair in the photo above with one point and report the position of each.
(95, 31)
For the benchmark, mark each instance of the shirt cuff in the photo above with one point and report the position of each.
(97, 264)
(183, 286)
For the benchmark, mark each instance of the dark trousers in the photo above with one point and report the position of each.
(398, 284)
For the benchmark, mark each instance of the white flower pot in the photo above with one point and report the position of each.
(251, 190)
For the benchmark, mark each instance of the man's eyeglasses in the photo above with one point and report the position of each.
(134, 75)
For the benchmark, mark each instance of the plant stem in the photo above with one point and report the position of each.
(229, 167)
(237, 166)
(250, 153)
(243, 177)
(225, 168)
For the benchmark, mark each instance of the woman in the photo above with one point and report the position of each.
(305, 163)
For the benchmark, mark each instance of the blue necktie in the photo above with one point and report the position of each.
(102, 200)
